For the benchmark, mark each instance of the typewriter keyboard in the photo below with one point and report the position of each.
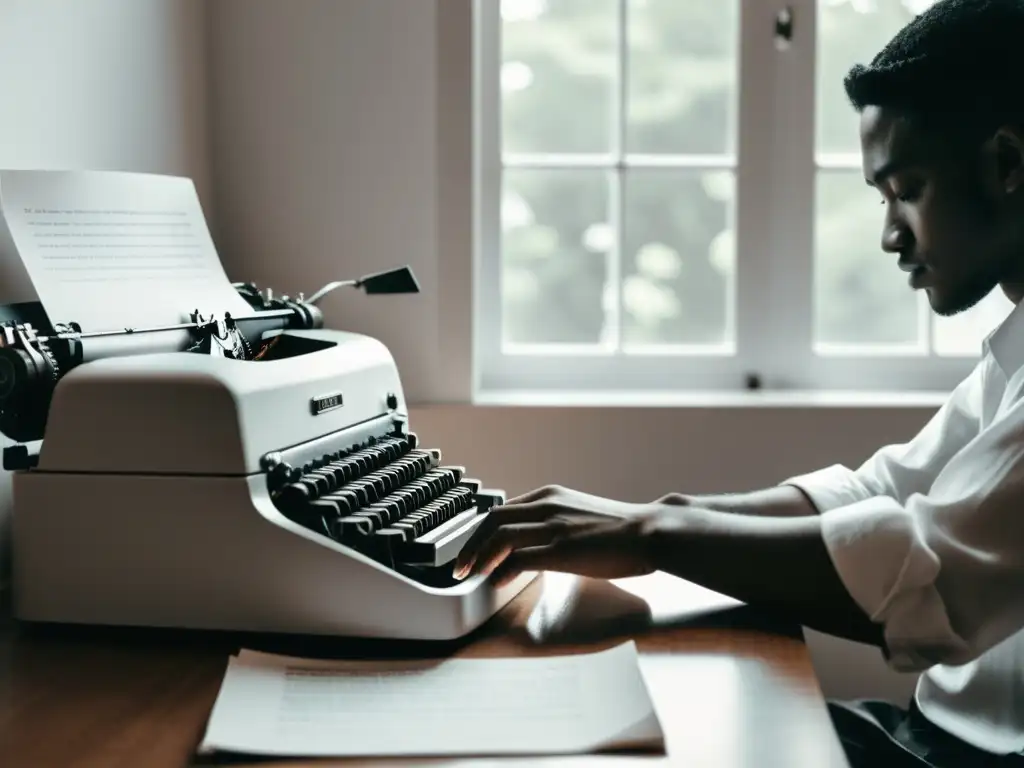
(389, 499)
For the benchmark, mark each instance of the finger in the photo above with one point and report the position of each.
(562, 556)
(536, 494)
(505, 540)
(584, 551)
(532, 512)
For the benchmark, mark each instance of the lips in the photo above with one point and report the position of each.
(919, 273)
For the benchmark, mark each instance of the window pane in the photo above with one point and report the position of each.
(682, 72)
(679, 257)
(558, 75)
(962, 334)
(556, 242)
(851, 32)
(860, 295)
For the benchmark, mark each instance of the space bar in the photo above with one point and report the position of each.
(442, 544)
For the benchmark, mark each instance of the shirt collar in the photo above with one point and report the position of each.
(1006, 342)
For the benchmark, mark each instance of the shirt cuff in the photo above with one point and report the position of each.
(889, 571)
(831, 487)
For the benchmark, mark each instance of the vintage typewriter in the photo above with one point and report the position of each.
(251, 473)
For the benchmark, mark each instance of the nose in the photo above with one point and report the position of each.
(896, 236)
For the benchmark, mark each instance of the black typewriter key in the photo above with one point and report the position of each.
(420, 492)
(446, 511)
(389, 510)
(389, 539)
(308, 483)
(406, 503)
(344, 501)
(392, 480)
(332, 481)
(353, 526)
(352, 469)
(362, 490)
(334, 469)
(306, 516)
(401, 502)
(379, 514)
(402, 472)
(405, 528)
(436, 483)
(393, 477)
(429, 519)
(321, 482)
(376, 517)
(330, 507)
(376, 486)
(433, 516)
(293, 496)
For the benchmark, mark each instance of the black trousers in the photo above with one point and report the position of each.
(878, 734)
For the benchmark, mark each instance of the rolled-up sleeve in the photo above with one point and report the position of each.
(928, 538)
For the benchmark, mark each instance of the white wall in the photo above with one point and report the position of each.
(102, 84)
(342, 145)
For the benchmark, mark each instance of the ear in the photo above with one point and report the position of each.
(1008, 153)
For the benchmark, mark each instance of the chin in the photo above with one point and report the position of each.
(946, 304)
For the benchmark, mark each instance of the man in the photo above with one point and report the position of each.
(921, 549)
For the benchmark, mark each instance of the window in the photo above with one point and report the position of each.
(669, 197)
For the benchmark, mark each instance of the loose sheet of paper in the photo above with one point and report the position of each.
(274, 705)
(110, 250)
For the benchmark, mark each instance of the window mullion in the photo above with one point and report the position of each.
(487, 182)
(794, 170)
(617, 180)
(755, 303)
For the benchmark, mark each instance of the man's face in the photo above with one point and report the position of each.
(944, 217)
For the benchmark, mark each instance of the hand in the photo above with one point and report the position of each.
(558, 529)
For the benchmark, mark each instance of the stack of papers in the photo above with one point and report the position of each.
(281, 706)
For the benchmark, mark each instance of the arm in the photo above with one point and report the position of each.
(781, 501)
(896, 470)
(778, 563)
(939, 574)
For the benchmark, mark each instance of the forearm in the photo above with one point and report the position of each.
(779, 563)
(781, 501)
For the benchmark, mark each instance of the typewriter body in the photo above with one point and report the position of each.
(248, 474)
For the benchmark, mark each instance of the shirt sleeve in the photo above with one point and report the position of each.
(928, 537)
(901, 470)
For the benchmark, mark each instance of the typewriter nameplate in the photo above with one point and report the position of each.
(325, 403)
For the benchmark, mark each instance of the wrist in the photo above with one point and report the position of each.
(664, 531)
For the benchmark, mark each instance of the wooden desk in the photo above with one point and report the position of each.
(730, 689)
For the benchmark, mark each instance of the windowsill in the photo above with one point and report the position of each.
(754, 399)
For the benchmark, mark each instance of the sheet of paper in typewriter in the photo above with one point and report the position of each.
(111, 249)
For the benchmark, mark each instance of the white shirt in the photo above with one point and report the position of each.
(928, 537)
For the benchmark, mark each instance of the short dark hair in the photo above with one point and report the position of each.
(960, 61)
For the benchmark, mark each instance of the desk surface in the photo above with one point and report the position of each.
(731, 690)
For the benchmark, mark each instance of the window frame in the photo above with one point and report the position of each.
(775, 172)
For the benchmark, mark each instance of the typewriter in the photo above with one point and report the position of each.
(251, 473)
